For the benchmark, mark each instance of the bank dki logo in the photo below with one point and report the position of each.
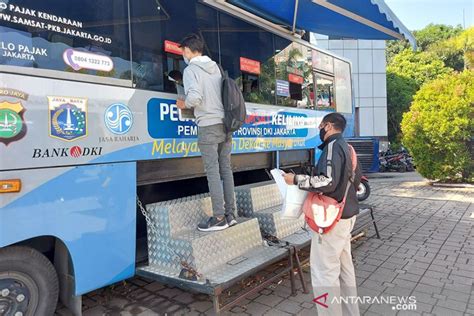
(67, 117)
(118, 118)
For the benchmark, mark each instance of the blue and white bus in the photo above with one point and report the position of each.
(88, 121)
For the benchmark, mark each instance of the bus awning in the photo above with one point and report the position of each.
(359, 19)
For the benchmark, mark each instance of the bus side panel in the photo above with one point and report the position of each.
(92, 209)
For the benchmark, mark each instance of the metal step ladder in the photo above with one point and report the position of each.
(264, 202)
(211, 262)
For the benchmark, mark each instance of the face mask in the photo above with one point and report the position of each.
(322, 133)
(186, 61)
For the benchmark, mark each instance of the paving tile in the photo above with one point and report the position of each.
(307, 312)
(256, 308)
(409, 277)
(437, 310)
(154, 286)
(289, 307)
(424, 298)
(278, 313)
(458, 287)
(300, 297)
(429, 289)
(431, 281)
(406, 284)
(201, 306)
(452, 304)
(269, 300)
(456, 296)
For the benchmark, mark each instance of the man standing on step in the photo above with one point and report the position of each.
(332, 270)
(202, 84)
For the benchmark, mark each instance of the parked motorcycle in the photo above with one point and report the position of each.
(400, 162)
(363, 191)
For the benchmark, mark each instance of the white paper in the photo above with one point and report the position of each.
(277, 175)
(293, 197)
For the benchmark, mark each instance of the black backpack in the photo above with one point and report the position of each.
(235, 112)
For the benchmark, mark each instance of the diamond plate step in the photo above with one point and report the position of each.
(264, 202)
(222, 275)
(271, 223)
(256, 197)
(176, 222)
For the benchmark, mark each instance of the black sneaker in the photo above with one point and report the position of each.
(231, 220)
(213, 224)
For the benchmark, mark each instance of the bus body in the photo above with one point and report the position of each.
(88, 120)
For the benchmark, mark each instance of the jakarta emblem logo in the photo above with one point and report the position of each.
(12, 124)
(118, 118)
(67, 117)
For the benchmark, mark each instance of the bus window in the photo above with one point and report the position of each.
(87, 37)
(157, 28)
(324, 91)
(246, 53)
(293, 74)
(342, 73)
(307, 101)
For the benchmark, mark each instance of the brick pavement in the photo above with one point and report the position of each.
(426, 251)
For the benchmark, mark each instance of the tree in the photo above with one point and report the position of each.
(465, 42)
(434, 33)
(419, 66)
(456, 52)
(433, 37)
(400, 92)
(405, 74)
(438, 128)
(395, 47)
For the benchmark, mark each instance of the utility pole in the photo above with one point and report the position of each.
(464, 18)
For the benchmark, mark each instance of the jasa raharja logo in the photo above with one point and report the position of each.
(74, 151)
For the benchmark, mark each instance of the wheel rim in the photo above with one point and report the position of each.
(361, 190)
(18, 294)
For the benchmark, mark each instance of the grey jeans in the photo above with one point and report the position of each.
(216, 146)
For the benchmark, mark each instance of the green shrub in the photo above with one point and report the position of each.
(438, 128)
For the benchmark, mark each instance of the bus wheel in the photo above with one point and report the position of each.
(28, 283)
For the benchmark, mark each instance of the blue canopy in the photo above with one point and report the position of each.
(360, 19)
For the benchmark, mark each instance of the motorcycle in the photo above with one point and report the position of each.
(399, 162)
(363, 191)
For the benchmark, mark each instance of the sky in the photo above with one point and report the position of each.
(416, 14)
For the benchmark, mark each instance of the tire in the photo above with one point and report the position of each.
(402, 168)
(30, 282)
(363, 191)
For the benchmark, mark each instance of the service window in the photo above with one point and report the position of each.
(247, 54)
(85, 37)
(157, 28)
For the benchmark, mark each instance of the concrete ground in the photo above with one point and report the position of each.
(426, 251)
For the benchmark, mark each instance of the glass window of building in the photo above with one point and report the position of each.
(157, 28)
(86, 37)
(247, 54)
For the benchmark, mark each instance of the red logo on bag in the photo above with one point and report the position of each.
(320, 297)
